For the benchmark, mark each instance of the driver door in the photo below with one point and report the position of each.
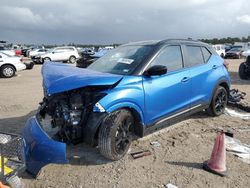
(170, 93)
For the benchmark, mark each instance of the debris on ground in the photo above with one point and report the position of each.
(235, 96)
(140, 154)
(170, 185)
(234, 113)
(237, 99)
(15, 182)
(155, 144)
(11, 159)
(244, 129)
(235, 147)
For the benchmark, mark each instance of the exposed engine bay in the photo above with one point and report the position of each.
(63, 116)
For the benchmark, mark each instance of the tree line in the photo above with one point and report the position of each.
(228, 40)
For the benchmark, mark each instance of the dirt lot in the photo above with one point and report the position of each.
(184, 146)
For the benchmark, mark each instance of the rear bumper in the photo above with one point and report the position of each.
(40, 149)
(20, 66)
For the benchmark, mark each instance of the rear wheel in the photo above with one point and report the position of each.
(7, 71)
(242, 71)
(219, 102)
(72, 59)
(115, 134)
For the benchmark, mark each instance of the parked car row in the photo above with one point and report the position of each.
(65, 54)
(234, 53)
(9, 65)
(88, 57)
(231, 51)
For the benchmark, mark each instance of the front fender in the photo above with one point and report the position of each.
(127, 105)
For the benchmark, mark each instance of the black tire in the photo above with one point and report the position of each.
(242, 71)
(7, 71)
(30, 65)
(46, 59)
(219, 102)
(115, 134)
(72, 59)
(222, 55)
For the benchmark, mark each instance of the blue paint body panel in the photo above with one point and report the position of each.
(59, 77)
(39, 148)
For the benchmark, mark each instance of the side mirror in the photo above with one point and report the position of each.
(156, 70)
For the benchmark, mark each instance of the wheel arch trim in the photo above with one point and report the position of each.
(135, 109)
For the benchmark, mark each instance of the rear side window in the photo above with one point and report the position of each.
(194, 56)
(206, 54)
(171, 57)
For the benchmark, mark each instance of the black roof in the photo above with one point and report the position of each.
(166, 41)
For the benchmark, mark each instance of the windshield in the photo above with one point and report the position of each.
(122, 60)
(235, 49)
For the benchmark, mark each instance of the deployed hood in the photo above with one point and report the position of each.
(58, 77)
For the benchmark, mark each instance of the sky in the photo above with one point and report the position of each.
(117, 21)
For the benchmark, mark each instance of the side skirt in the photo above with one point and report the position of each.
(172, 119)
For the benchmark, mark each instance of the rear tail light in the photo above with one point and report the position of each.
(226, 64)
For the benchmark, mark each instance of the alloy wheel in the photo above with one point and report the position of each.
(220, 101)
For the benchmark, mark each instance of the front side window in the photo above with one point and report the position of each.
(171, 57)
(194, 56)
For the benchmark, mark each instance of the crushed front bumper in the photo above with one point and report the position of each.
(40, 149)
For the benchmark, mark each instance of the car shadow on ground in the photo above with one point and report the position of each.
(236, 79)
(79, 154)
(186, 164)
(14, 124)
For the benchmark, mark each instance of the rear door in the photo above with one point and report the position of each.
(167, 94)
(198, 61)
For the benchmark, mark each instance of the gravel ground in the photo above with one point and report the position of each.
(178, 160)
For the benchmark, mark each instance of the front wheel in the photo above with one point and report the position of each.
(115, 134)
(46, 59)
(219, 102)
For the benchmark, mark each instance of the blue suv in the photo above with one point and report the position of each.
(130, 92)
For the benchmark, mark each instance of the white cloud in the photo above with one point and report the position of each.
(111, 21)
(244, 19)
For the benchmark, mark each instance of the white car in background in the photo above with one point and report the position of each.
(65, 53)
(246, 53)
(220, 49)
(36, 52)
(9, 65)
(7, 51)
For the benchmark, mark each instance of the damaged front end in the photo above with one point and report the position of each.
(69, 114)
(70, 117)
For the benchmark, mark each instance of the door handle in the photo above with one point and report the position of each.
(215, 67)
(185, 79)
